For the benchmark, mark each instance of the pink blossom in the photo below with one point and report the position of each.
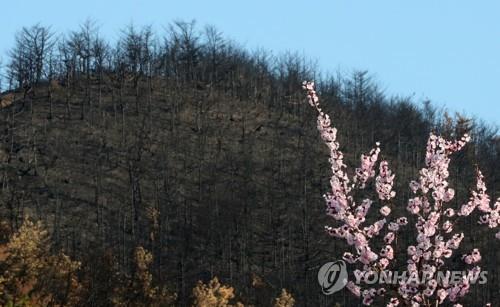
(393, 226)
(384, 182)
(389, 237)
(366, 255)
(449, 194)
(360, 240)
(466, 209)
(374, 229)
(455, 241)
(368, 296)
(428, 292)
(385, 211)
(414, 205)
(381, 291)
(434, 217)
(464, 287)
(311, 93)
(447, 226)
(432, 284)
(387, 252)
(473, 257)
(412, 250)
(453, 293)
(362, 210)
(368, 300)
(449, 212)
(427, 255)
(356, 290)
(348, 257)
(402, 221)
(383, 263)
(424, 242)
(481, 199)
(428, 269)
(441, 294)
(334, 232)
(366, 171)
(492, 219)
(393, 302)
(429, 229)
(439, 249)
(414, 186)
(412, 268)
(447, 253)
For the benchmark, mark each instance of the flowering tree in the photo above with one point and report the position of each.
(436, 239)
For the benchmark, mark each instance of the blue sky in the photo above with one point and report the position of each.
(447, 51)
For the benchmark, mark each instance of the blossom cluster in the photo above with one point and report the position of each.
(434, 219)
(352, 216)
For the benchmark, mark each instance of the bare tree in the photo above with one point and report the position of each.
(137, 47)
(28, 57)
(185, 47)
(100, 49)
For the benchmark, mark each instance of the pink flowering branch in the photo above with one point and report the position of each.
(367, 168)
(435, 239)
(351, 216)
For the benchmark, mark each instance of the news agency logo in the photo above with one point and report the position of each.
(332, 277)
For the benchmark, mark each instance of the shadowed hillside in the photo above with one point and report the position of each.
(206, 155)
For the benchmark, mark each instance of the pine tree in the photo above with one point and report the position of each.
(213, 294)
(31, 274)
(284, 300)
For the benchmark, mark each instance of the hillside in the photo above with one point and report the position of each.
(210, 159)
